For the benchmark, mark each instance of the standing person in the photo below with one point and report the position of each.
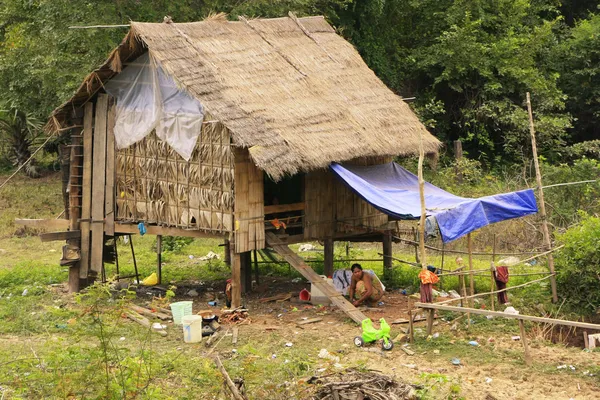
(363, 287)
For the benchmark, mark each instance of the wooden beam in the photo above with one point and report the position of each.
(387, 256)
(98, 183)
(44, 223)
(54, 236)
(159, 258)
(284, 208)
(86, 198)
(236, 284)
(499, 314)
(525, 345)
(164, 231)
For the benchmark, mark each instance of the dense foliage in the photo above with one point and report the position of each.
(469, 63)
(578, 276)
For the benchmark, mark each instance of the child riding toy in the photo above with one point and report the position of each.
(370, 334)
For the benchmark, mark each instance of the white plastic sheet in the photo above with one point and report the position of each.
(147, 99)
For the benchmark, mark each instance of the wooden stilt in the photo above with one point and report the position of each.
(159, 258)
(256, 274)
(442, 266)
(471, 278)
(227, 251)
(525, 345)
(86, 198)
(328, 257)
(422, 253)
(538, 176)
(236, 284)
(75, 203)
(387, 255)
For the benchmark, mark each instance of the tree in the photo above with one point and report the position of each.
(19, 129)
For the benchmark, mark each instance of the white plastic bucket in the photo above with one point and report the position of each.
(181, 309)
(318, 297)
(192, 328)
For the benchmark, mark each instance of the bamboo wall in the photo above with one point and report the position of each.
(156, 185)
(249, 204)
(319, 212)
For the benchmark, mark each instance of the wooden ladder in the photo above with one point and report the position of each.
(298, 263)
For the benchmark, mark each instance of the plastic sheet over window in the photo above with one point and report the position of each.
(147, 99)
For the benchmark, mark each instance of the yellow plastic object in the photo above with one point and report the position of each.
(151, 280)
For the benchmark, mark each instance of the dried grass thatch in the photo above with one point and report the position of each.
(294, 92)
(155, 185)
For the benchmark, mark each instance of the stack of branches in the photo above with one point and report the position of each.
(235, 316)
(356, 385)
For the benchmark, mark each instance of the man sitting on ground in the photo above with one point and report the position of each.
(364, 288)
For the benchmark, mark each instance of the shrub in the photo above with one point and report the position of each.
(578, 265)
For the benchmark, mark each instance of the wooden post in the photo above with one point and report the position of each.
(423, 210)
(64, 154)
(458, 154)
(75, 203)
(236, 284)
(416, 240)
(492, 273)
(387, 255)
(410, 326)
(86, 196)
(430, 319)
(471, 279)
(442, 267)
(586, 340)
(525, 345)
(227, 247)
(246, 271)
(159, 258)
(538, 176)
(256, 274)
(328, 257)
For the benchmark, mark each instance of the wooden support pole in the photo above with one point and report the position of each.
(236, 284)
(256, 273)
(75, 203)
(492, 286)
(246, 271)
(471, 278)
(387, 256)
(328, 257)
(422, 254)
(86, 196)
(586, 341)
(525, 345)
(416, 243)
(458, 154)
(159, 258)
(538, 176)
(430, 319)
(411, 326)
(442, 266)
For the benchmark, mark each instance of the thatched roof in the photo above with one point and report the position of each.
(291, 90)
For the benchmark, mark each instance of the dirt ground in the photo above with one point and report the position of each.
(484, 378)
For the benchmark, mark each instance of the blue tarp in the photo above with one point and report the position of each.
(395, 191)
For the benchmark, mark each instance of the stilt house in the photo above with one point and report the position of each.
(226, 129)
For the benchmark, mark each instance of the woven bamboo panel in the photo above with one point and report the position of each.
(156, 185)
(249, 203)
(318, 209)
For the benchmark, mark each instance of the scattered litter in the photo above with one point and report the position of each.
(273, 356)
(209, 256)
(509, 261)
(491, 340)
(473, 343)
(380, 303)
(338, 366)
(435, 335)
(443, 293)
(488, 380)
(435, 293)
(234, 351)
(286, 361)
(328, 356)
(279, 315)
(489, 316)
(289, 344)
(454, 294)
(306, 247)
(151, 279)
(516, 337)
(511, 310)
(455, 361)
(296, 280)
(191, 256)
(436, 352)
(122, 338)
(572, 368)
(564, 366)
(25, 292)
(212, 303)
(411, 366)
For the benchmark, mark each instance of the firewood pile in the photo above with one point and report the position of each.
(236, 316)
(356, 385)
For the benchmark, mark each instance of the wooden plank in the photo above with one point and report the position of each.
(284, 208)
(542, 320)
(132, 315)
(236, 284)
(43, 223)
(75, 202)
(98, 183)
(109, 192)
(54, 236)
(328, 290)
(149, 313)
(165, 231)
(309, 321)
(525, 345)
(86, 198)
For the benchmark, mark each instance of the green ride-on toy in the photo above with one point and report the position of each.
(370, 334)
